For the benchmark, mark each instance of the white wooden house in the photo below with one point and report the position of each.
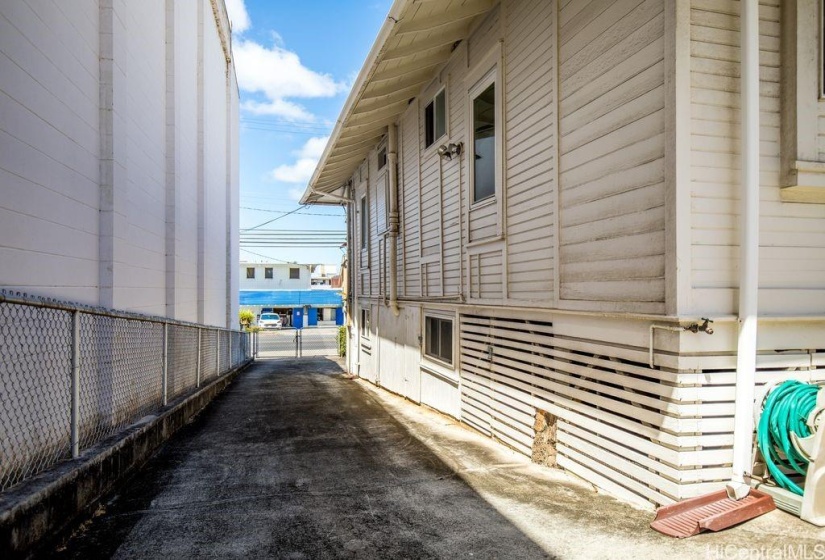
(543, 193)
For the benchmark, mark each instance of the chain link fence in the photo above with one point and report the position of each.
(72, 376)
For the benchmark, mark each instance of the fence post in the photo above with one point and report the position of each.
(75, 429)
(218, 353)
(165, 379)
(230, 349)
(198, 372)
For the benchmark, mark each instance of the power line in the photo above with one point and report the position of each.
(266, 257)
(286, 124)
(284, 212)
(272, 220)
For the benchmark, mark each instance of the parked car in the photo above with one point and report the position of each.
(270, 321)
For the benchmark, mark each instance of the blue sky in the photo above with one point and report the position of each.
(295, 62)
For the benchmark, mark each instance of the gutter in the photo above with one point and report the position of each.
(392, 160)
(367, 70)
(739, 486)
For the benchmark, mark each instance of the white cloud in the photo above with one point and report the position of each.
(238, 15)
(296, 194)
(313, 148)
(278, 74)
(278, 108)
(300, 172)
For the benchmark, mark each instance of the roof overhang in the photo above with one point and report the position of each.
(415, 41)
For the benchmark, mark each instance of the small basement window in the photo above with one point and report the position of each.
(439, 339)
(250, 272)
(435, 119)
(268, 273)
(294, 273)
(365, 323)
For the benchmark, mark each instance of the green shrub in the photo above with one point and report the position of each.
(246, 317)
(342, 341)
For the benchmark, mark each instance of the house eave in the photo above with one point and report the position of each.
(412, 45)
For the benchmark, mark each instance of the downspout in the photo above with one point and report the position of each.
(739, 487)
(392, 160)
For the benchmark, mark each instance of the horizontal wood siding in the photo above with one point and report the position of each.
(792, 235)
(611, 148)
(409, 168)
(453, 176)
(530, 148)
(483, 219)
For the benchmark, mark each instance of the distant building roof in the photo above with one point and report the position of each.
(291, 298)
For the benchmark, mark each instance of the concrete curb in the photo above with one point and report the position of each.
(34, 514)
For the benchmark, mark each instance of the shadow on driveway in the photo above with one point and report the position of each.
(295, 461)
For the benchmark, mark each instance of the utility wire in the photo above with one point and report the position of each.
(284, 212)
(272, 220)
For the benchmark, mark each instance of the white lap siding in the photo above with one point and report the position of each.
(792, 235)
(530, 138)
(612, 155)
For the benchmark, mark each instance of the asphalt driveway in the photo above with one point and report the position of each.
(295, 460)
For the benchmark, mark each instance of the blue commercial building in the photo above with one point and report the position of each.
(298, 308)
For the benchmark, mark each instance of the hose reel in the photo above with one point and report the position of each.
(790, 419)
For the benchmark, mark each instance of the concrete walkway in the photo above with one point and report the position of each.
(295, 460)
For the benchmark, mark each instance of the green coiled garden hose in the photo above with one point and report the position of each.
(786, 410)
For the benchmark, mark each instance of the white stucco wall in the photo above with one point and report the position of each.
(49, 87)
(119, 156)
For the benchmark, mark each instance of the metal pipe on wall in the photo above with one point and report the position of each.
(738, 487)
(392, 160)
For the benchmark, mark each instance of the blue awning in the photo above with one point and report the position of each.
(291, 298)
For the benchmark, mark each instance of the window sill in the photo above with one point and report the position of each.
(807, 183)
(439, 370)
(489, 201)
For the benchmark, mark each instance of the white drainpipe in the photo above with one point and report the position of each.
(738, 487)
(392, 160)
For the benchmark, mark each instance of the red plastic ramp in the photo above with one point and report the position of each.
(711, 512)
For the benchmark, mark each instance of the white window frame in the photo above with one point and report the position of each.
(802, 171)
(438, 360)
(298, 268)
(479, 78)
(252, 268)
(446, 134)
(270, 271)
